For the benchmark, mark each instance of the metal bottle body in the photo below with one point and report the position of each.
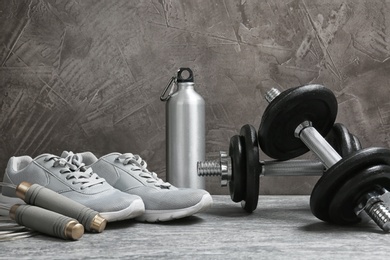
(185, 135)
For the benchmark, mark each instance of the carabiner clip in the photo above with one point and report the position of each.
(163, 97)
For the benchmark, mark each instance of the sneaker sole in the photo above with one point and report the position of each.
(166, 215)
(136, 208)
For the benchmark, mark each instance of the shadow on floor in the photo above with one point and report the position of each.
(235, 211)
(128, 223)
(229, 211)
(191, 220)
(323, 227)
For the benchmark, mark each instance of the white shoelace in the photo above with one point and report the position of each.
(74, 171)
(137, 164)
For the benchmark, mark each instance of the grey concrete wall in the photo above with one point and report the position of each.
(87, 75)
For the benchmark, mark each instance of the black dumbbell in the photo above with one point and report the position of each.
(241, 168)
(296, 120)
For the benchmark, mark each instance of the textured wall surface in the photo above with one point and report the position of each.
(87, 75)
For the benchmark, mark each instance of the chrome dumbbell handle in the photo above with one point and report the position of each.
(292, 168)
(317, 144)
(223, 168)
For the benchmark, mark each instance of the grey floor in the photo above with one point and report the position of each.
(282, 227)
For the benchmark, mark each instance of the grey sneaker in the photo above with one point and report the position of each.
(163, 201)
(73, 182)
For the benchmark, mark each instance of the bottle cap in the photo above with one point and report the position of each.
(184, 77)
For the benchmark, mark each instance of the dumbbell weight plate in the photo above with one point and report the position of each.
(356, 143)
(313, 103)
(238, 179)
(341, 210)
(331, 181)
(253, 167)
(342, 140)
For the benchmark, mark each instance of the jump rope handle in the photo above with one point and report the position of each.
(47, 222)
(38, 195)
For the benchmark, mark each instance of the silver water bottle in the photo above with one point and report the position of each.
(185, 131)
